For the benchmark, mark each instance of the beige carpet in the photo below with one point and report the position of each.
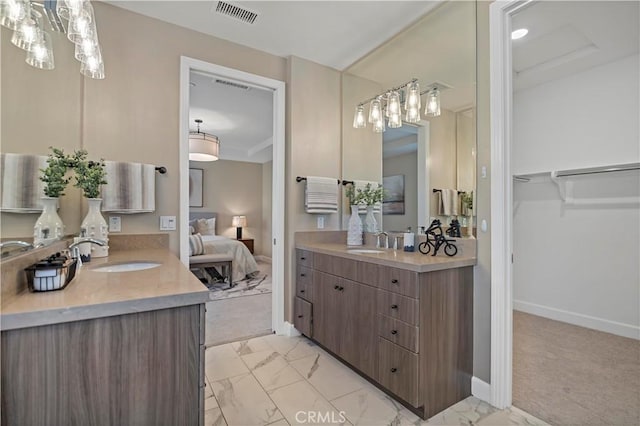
(569, 375)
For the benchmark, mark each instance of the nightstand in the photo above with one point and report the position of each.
(249, 243)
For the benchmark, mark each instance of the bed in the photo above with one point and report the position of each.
(243, 262)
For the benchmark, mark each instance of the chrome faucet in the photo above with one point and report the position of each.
(386, 240)
(16, 243)
(75, 247)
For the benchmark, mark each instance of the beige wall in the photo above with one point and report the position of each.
(442, 155)
(267, 205)
(233, 188)
(406, 165)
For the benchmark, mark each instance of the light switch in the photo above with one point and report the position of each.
(167, 223)
(115, 224)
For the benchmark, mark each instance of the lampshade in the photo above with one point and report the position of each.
(239, 221)
(202, 146)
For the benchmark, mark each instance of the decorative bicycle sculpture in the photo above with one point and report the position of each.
(436, 239)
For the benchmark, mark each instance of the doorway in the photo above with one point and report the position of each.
(277, 88)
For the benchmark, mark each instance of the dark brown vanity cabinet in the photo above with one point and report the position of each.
(410, 332)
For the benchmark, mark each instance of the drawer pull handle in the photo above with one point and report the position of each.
(394, 306)
(393, 370)
(341, 288)
(394, 331)
(337, 287)
(303, 258)
(299, 316)
(301, 291)
(394, 281)
(303, 275)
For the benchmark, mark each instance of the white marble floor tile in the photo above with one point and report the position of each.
(222, 362)
(244, 402)
(210, 402)
(328, 375)
(281, 422)
(213, 417)
(511, 416)
(292, 348)
(468, 411)
(257, 344)
(300, 403)
(271, 369)
(369, 407)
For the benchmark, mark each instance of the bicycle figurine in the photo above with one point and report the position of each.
(435, 239)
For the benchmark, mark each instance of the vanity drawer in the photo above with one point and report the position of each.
(398, 332)
(368, 273)
(399, 281)
(334, 265)
(399, 307)
(304, 283)
(398, 371)
(302, 316)
(304, 258)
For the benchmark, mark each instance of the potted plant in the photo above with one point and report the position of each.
(89, 177)
(467, 202)
(354, 231)
(49, 226)
(370, 196)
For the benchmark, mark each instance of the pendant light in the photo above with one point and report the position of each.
(202, 146)
(359, 121)
(433, 103)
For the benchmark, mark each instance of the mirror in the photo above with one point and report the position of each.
(435, 153)
(41, 109)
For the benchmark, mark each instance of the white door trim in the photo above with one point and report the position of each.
(278, 87)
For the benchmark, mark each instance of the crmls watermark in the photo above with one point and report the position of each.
(316, 417)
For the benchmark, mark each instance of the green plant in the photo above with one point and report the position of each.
(467, 199)
(371, 196)
(354, 197)
(90, 175)
(58, 163)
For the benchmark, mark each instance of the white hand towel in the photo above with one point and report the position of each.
(448, 202)
(130, 188)
(20, 184)
(321, 195)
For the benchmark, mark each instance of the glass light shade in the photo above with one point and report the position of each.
(203, 147)
(375, 110)
(69, 8)
(393, 104)
(395, 121)
(413, 115)
(27, 35)
(41, 54)
(433, 103)
(13, 12)
(359, 120)
(378, 126)
(239, 221)
(81, 27)
(87, 48)
(413, 96)
(93, 67)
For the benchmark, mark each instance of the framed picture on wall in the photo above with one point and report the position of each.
(393, 201)
(195, 187)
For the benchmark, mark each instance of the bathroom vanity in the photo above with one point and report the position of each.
(111, 348)
(403, 320)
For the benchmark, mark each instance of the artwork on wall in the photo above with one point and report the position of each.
(393, 202)
(195, 187)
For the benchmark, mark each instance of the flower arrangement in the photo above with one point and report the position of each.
(54, 176)
(90, 175)
(367, 196)
(467, 199)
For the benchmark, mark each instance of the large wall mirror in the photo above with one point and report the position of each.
(436, 153)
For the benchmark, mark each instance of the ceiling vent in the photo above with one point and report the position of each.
(231, 84)
(239, 13)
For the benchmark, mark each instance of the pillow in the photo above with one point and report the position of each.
(196, 247)
(206, 226)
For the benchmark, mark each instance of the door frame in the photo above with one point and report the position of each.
(278, 188)
(501, 91)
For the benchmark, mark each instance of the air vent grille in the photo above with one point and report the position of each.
(231, 84)
(236, 12)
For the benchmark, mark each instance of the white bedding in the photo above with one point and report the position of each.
(243, 261)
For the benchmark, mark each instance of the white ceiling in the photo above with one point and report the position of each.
(568, 37)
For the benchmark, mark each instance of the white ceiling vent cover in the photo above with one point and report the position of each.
(236, 12)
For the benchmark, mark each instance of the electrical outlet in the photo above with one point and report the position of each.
(167, 223)
(320, 222)
(115, 224)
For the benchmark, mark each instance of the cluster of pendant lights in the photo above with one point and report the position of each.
(388, 107)
(75, 17)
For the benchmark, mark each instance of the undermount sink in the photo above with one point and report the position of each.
(365, 251)
(126, 266)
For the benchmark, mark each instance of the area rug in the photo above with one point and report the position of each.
(257, 283)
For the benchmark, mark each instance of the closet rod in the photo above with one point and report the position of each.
(601, 169)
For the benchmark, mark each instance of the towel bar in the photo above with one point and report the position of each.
(161, 169)
(300, 179)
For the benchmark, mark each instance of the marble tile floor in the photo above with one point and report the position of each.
(276, 380)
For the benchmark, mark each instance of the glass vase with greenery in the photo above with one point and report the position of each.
(370, 196)
(90, 175)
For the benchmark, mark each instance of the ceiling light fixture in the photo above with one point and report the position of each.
(519, 33)
(202, 146)
(388, 105)
(26, 21)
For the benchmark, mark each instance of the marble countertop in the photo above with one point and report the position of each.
(413, 261)
(94, 294)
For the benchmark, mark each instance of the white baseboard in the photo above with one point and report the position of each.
(289, 330)
(262, 258)
(600, 324)
(480, 389)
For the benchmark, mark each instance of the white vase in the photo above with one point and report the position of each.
(370, 223)
(354, 232)
(95, 226)
(49, 226)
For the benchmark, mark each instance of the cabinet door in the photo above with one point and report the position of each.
(359, 337)
(327, 324)
(302, 316)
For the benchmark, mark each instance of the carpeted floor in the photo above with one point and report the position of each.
(570, 375)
